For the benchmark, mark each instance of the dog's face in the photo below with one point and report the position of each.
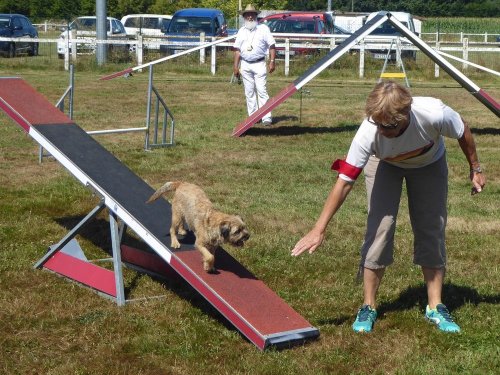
(234, 231)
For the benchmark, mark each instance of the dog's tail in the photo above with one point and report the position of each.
(169, 186)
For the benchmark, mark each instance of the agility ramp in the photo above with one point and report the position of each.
(344, 47)
(245, 301)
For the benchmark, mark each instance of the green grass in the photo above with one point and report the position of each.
(277, 178)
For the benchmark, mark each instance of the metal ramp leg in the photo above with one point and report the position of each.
(154, 137)
(66, 258)
(399, 62)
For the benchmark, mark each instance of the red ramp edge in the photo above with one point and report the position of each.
(488, 101)
(261, 315)
(257, 311)
(261, 112)
(244, 300)
(117, 74)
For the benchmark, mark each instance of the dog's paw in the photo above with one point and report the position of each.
(182, 232)
(175, 244)
(209, 267)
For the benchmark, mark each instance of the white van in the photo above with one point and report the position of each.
(386, 30)
(146, 24)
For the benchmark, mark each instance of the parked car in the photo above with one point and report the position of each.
(387, 31)
(17, 26)
(301, 23)
(189, 23)
(86, 28)
(146, 24)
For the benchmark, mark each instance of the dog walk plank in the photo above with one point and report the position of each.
(259, 313)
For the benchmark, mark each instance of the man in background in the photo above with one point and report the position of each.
(253, 43)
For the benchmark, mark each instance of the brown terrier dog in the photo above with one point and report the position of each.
(212, 228)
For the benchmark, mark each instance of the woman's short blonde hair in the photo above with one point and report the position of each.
(388, 103)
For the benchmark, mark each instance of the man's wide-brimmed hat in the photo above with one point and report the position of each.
(249, 9)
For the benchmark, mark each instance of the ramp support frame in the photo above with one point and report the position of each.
(67, 259)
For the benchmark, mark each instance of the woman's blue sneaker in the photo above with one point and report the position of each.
(365, 319)
(441, 317)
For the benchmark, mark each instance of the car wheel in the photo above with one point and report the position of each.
(12, 50)
(34, 50)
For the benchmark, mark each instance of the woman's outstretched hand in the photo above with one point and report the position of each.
(310, 242)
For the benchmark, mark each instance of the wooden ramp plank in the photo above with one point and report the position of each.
(259, 313)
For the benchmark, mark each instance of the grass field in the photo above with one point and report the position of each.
(277, 178)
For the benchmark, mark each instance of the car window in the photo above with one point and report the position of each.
(216, 25)
(118, 27)
(165, 24)
(321, 27)
(151, 23)
(387, 29)
(291, 26)
(4, 23)
(25, 24)
(85, 24)
(339, 30)
(190, 25)
(16, 22)
(133, 22)
(329, 24)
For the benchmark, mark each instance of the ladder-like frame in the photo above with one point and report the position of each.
(399, 63)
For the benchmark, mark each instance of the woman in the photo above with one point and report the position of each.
(400, 139)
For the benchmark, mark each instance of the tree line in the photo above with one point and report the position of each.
(38, 10)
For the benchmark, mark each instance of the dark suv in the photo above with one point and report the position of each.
(186, 26)
(17, 26)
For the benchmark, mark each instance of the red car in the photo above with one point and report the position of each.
(301, 23)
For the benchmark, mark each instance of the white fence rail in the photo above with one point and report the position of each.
(287, 45)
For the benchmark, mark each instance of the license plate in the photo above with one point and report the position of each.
(379, 55)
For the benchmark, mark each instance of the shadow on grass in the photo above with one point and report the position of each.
(454, 297)
(486, 131)
(290, 130)
(97, 232)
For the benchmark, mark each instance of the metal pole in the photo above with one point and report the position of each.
(71, 93)
(329, 6)
(148, 108)
(102, 29)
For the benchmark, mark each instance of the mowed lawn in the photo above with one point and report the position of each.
(277, 179)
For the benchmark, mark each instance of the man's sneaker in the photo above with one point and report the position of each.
(267, 122)
(441, 317)
(365, 319)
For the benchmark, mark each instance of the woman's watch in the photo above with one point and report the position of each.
(476, 169)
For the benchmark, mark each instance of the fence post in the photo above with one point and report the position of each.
(66, 51)
(436, 66)
(213, 59)
(139, 50)
(74, 45)
(465, 53)
(202, 51)
(287, 57)
(362, 58)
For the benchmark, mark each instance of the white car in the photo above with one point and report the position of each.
(86, 28)
(153, 26)
(146, 24)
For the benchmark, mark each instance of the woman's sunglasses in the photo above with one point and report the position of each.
(383, 126)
